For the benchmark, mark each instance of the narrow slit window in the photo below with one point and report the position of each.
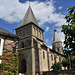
(43, 55)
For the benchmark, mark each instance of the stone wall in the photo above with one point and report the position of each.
(26, 54)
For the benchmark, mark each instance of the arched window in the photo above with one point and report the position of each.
(43, 55)
(23, 66)
(52, 57)
(58, 49)
(55, 57)
(59, 58)
(22, 45)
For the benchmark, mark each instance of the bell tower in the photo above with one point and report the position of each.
(30, 33)
(57, 43)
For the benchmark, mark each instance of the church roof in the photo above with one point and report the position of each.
(28, 18)
(56, 37)
(6, 33)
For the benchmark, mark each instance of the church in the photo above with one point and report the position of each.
(35, 57)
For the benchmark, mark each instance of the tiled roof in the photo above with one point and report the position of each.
(6, 33)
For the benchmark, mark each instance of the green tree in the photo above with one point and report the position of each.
(56, 67)
(69, 30)
(67, 53)
(73, 62)
(65, 63)
(9, 63)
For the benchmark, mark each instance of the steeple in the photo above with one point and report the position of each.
(56, 37)
(29, 17)
(57, 43)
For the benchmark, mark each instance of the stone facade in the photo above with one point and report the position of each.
(35, 57)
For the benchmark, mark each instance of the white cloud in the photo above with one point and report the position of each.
(46, 40)
(47, 28)
(60, 7)
(14, 11)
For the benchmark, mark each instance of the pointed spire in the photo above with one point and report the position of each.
(29, 3)
(56, 37)
(29, 17)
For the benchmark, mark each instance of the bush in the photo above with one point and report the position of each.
(73, 72)
(65, 63)
(73, 62)
(56, 67)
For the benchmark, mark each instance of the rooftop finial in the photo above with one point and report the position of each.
(55, 30)
(29, 3)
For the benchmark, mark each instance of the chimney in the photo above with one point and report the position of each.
(13, 31)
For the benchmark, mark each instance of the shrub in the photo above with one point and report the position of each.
(56, 67)
(73, 72)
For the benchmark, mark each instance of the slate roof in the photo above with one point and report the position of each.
(56, 52)
(28, 18)
(56, 37)
(6, 33)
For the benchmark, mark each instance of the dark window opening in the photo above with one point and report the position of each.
(59, 58)
(52, 57)
(23, 66)
(22, 44)
(58, 49)
(43, 54)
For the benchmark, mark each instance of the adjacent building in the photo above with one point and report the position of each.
(7, 40)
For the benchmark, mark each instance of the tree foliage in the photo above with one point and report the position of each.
(56, 67)
(67, 52)
(69, 30)
(73, 62)
(9, 63)
(65, 63)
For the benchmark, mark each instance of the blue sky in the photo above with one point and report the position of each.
(49, 13)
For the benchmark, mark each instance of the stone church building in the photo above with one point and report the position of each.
(35, 57)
